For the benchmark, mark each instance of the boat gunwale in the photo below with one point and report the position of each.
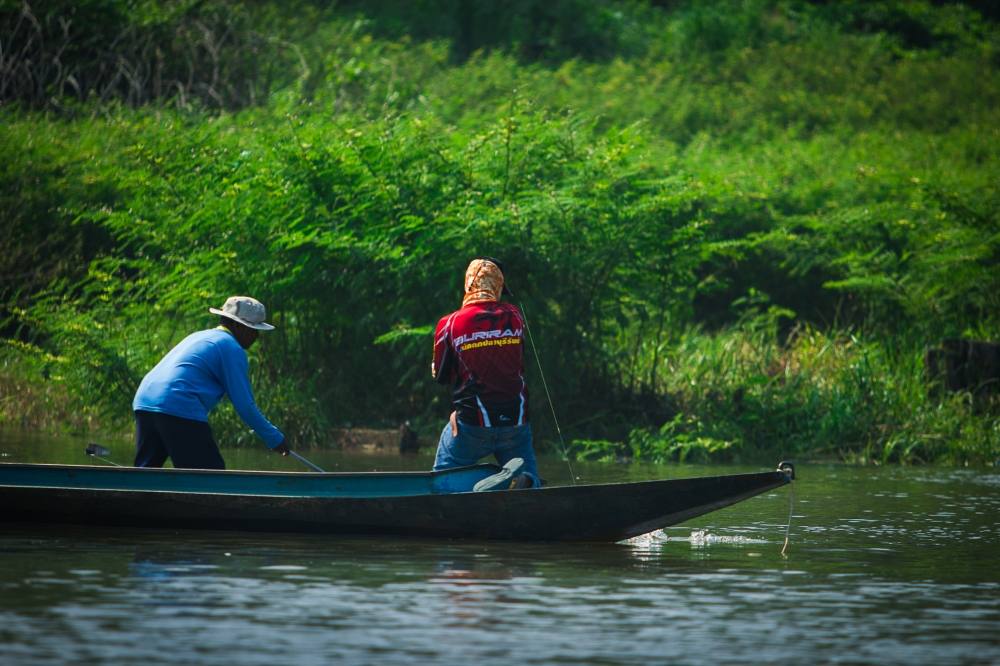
(237, 472)
(335, 475)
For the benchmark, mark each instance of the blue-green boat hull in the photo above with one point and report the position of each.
(437, 504)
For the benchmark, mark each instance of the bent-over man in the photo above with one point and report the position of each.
(173, 401)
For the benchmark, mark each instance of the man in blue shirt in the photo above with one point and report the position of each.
(173, 401)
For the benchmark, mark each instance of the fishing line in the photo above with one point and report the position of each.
(548, 396)
(788, 526)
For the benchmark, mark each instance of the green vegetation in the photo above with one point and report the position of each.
(734, 227)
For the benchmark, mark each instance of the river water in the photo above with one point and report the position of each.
(884, 565)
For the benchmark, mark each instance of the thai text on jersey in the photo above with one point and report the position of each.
(479, 352)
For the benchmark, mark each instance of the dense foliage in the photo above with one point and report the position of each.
(733, 228)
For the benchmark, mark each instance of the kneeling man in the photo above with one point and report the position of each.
(479, 352)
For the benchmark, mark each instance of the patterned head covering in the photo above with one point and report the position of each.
(483, 282)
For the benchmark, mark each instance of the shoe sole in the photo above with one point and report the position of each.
(505, 477)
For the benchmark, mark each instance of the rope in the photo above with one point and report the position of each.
(548, 397)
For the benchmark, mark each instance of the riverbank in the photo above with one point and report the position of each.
(726, 397)
(742, 395)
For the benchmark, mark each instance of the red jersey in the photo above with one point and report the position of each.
(479, 351)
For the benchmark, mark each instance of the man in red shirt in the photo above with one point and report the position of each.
(479, 352)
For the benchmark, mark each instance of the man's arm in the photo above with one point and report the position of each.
(236, 381)
(443, 362)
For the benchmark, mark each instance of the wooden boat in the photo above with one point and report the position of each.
(424, 504)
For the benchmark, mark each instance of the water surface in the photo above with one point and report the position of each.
(889, 566)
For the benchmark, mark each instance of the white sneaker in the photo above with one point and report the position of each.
(504, 479)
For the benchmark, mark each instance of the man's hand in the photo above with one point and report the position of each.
(282, 448)
(453, 419)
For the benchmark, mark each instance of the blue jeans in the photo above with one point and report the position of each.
(475, 442)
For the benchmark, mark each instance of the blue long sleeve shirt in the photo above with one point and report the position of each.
(191, 379)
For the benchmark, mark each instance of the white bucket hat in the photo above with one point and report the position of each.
(245, 310)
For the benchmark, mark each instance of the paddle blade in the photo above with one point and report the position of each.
(97, 450)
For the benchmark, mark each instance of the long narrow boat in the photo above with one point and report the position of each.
(425, 504)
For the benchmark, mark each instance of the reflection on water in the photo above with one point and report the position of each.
(884, 566)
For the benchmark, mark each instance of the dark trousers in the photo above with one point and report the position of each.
(187, 443)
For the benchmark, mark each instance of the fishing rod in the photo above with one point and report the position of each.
(101, 453)
(545, 385)
(505, 290)
(302, 459)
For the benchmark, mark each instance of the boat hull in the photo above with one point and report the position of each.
(598, 512)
